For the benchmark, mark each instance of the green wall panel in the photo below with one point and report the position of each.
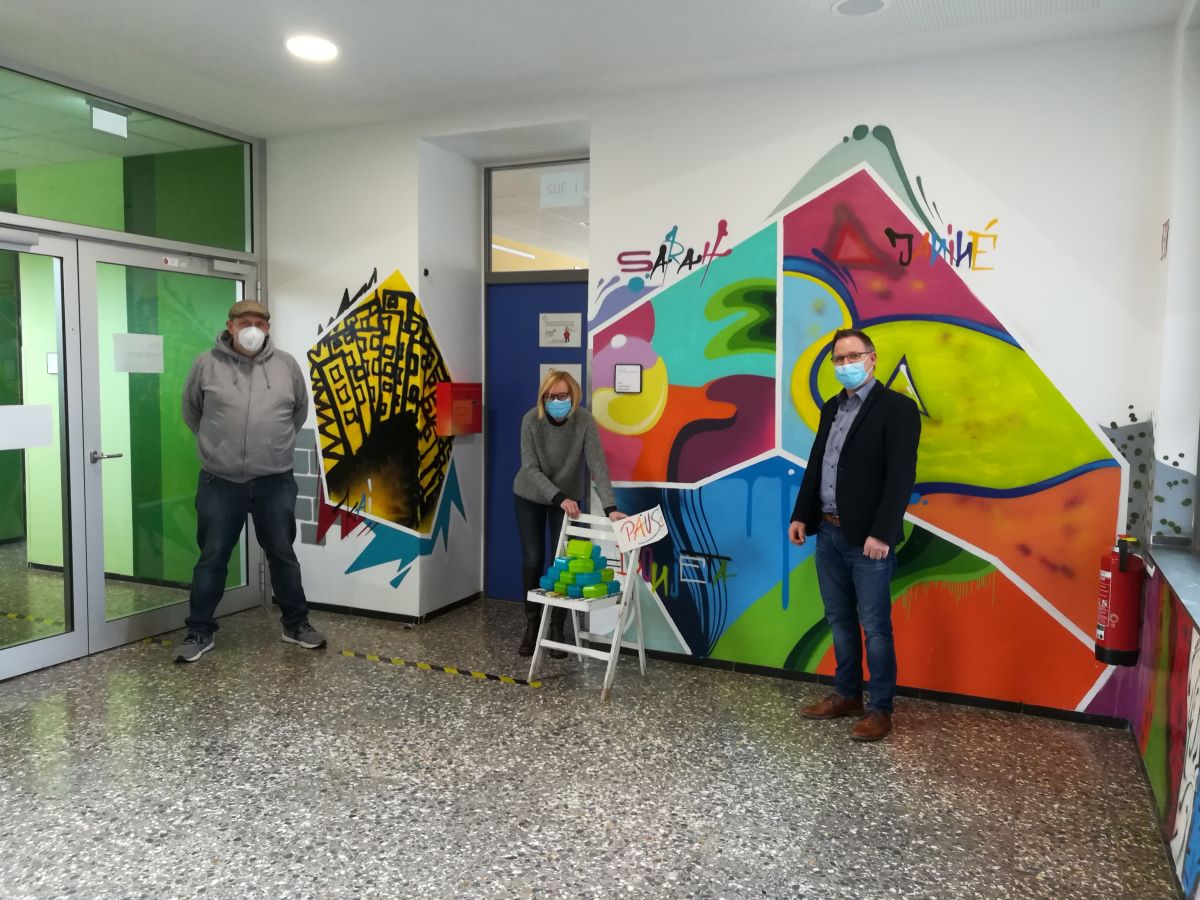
(85, 193)
(12, 464)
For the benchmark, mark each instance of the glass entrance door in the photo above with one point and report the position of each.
(42, 583)
(144, 318)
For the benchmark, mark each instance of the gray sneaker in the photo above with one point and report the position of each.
(304, 635)
(193, 647)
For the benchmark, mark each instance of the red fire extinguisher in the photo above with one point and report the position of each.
(1120, 606)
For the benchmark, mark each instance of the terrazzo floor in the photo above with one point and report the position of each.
(265, 770)
(33, 601)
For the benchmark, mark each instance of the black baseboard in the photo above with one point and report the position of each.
(393, 617)
(112, 576)
(1046, 712)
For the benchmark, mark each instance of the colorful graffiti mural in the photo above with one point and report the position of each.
(374, 374)
(1161, 698)
(1016, 495)
(384, 474)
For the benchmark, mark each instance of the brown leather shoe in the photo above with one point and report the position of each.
(874, 726)
(834, 706)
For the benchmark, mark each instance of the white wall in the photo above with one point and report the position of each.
(339, 205)
(1066, 144)
(1063, 143)
(450, 241)
(1178, 420)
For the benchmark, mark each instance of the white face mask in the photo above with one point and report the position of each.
(251, 338)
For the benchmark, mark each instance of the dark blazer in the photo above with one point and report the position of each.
(876, 470)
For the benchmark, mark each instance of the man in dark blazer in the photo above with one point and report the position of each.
(857, 485)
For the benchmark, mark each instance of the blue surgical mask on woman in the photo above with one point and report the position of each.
(851, 375)
(559, 409)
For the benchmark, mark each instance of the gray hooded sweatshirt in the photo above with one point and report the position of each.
(245, 411)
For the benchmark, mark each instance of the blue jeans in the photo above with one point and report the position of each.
(857, 594)
(221, 510)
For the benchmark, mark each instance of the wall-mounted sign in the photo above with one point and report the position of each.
(560, 329)
(52, 363)
(142, 353)
(562, 187)
(627, 378)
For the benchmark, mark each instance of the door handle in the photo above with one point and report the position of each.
(97, 456)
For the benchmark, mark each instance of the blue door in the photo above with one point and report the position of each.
(512, 374)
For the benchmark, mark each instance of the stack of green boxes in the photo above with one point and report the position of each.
(581, 573)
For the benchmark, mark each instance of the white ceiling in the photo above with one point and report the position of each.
(223, 62)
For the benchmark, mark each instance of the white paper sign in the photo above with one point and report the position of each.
(142, 353)
(51, 363)
(23, 427)
(573, 369)
(627, 378)
(561, 187)
(560, 330)
(640, 529)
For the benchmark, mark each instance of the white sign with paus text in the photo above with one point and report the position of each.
(640, 529)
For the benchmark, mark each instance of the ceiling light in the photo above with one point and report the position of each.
(859, 8)
(110, 118)
(513, 252)
(312, 48)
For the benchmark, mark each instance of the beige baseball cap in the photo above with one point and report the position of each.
(249, 308)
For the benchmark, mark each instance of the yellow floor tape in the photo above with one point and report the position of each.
(448, 670)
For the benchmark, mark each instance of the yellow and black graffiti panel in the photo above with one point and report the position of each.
(374, 375)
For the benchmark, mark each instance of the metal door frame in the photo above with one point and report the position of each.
(49, 651)
(102, 633)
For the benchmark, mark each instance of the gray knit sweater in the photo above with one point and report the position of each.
(553, 456)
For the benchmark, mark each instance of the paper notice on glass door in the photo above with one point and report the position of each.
(25, 427)
(140, 353)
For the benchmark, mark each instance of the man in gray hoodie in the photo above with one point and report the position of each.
(245, 400)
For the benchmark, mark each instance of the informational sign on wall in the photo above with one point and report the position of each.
(627, 378)
(560, 330)
(138, 353)
(563, 187)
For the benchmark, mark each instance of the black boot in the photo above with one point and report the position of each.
(529, 638)
(533, 612)
(558, 618)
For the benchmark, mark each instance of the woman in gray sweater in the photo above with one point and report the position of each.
(558, 436)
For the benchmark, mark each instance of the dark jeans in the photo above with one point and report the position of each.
(858, 600)
(533, 519)
(221, 509)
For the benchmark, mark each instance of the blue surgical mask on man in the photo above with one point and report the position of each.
(559, 409)
(851, 375)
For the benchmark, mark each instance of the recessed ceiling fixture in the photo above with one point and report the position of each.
(110, 118)
(312, 48)
(859, 8)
